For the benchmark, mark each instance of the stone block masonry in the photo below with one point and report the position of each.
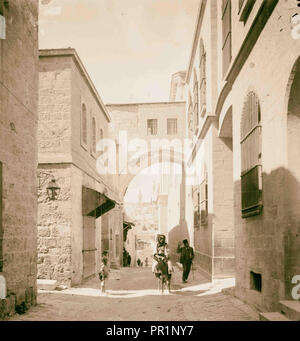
(18, 154)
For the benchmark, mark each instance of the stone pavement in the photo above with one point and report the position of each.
(132, 295)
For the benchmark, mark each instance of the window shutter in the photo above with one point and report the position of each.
(251, 169)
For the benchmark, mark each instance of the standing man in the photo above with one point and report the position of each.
(186, 258)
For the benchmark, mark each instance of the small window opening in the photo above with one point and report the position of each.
(255, 281)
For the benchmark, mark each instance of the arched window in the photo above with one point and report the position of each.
(202, 79)
(93, 134)
(83, 126)
(195, 100)
(251, 169)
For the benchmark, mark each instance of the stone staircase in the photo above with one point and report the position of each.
(289, 311)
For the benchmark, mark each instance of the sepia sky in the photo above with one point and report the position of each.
(130, 48)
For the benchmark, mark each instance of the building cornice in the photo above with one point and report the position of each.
(71, 52)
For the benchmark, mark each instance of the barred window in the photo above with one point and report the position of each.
(1, 229)
(202, 78)
(152, 127)
(251, 168)
(195, 100)
(171, 126)
(226, 29)
(93, 134)
(83, 126)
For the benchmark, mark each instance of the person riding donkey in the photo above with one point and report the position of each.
(161, 254)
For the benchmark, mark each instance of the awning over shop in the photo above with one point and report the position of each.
(95, 204)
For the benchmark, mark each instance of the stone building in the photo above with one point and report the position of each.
(146, 123)
(243, 108)
(18, 154)
(209, 208)
(85, 218)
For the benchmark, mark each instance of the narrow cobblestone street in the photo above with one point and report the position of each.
(132, 295)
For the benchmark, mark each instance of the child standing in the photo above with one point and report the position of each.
(104, 272)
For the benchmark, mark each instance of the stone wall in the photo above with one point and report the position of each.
(18, 153)
(268, 244)
(54, 225)
(54, 132)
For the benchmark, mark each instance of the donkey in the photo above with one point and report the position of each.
(164, 278)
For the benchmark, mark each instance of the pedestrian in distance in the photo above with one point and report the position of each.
(186, 258)
(104, 272)
(138, 262)
(128, 260)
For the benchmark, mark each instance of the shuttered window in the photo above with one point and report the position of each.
(202, 78)
(226, 29)
(251, 169)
